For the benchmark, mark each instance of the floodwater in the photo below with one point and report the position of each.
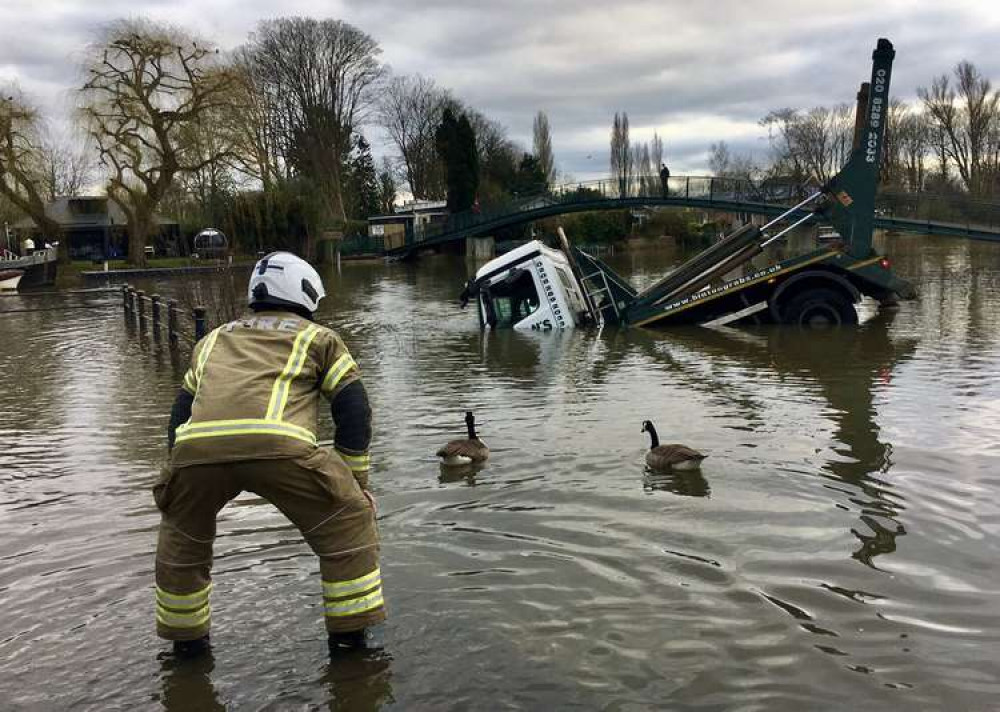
(837, 551)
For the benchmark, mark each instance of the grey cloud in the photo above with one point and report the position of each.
(668, 64)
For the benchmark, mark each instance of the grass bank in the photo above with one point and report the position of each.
(69, 276)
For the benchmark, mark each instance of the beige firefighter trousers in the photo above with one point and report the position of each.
(317, 493)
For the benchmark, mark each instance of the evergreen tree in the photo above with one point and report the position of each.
(364, 182)
(530, 178)
(469, 157)
(445, 141)
(386, 188)
(542, 145)
(455, 140)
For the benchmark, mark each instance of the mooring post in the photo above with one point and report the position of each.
(199, 323)
(155, 299)
(140, 298)
(172, 321)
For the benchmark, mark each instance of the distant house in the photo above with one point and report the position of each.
(96, 228)
(409, 223)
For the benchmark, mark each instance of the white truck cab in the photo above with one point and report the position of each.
(530, 287)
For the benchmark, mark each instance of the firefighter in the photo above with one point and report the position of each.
(245, 419)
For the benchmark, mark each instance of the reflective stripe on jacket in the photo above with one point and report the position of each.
(256, 384)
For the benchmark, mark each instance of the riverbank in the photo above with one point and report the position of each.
(75, 275)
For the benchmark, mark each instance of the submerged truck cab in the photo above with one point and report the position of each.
(535, 287)
(530, 287)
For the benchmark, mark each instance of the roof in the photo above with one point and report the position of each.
(85, 211)
(519, 254)
(422, 206)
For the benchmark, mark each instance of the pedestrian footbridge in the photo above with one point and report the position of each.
(950, 215)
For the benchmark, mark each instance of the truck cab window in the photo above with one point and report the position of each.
(512, 299)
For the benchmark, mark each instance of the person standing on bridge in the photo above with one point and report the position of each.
(245, 419)
(664, 180)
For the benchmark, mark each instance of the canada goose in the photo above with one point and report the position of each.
(669, 457)
(464, 452)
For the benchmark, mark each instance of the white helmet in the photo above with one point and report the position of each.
(283, 279)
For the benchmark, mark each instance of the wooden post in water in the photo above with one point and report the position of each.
(155, 299)
(172, 322)
(199, 323)
(140, 298)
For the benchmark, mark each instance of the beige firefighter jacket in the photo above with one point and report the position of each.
(257, 383)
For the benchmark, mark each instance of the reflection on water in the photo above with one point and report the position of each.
(685, 483)
(460, 473)
(359, 682)
(187, 684)
(560, 573)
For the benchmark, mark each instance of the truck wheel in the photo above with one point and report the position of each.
(819, 308)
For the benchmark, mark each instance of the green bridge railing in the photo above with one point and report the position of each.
(952, 214)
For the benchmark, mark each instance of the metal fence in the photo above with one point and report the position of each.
(705, 191)
(162, 317)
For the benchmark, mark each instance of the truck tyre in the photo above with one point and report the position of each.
(820, 307)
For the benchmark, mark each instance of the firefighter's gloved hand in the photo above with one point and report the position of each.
(371, 499)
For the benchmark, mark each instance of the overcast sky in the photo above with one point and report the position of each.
(695, 71)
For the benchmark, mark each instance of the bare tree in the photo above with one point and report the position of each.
(67, 166)
(891, 167)
(645, 179)
(147, 83)
(812, 139)
(656, 152)
(913, 140)
(22, 180)
(257, 129)
(812, 144)
(966, 118)
(323, 72)
(724, 163)
(542, 147)
(410, 111)
(785, 158)
(208, 144)
(622, 167)
(719, 159)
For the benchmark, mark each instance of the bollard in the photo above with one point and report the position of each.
(140, 300)
(172, 321)
(155, 300)
(131, 301)
(199, 323)
(125, 303)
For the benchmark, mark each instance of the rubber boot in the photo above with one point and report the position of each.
(369, 639)
(191, 648)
